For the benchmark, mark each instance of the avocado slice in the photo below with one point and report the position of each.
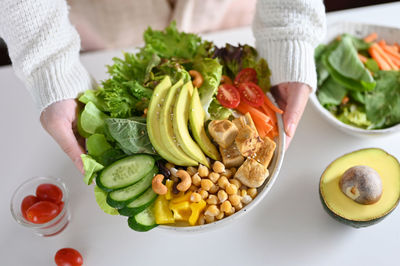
(180, 125)
(348, 211)
(196, 119)
(168, 136)
(152, 121)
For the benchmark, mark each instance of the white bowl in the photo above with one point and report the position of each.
(360, 30)
(273, 169)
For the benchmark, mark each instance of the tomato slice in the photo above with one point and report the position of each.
(246, 75)
(228, 96)
(68, 257)
(251, 94)
(27, 202)
(41, 212)
(49, 192)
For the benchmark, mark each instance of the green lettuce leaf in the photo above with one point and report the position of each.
(217, 111)
(101, 199)
(92, 119)
(92, 96)
(130, 134)
(383, 104)
(97, 144)
(354, 116)
(91, 167)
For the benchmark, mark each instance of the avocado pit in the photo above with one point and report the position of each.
(362, 184)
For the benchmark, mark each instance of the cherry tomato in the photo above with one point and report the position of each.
(27, 202)
(49, 192)
(251, 94)
(246, 75)
(41, 212)
(228, 95)
(68, 257)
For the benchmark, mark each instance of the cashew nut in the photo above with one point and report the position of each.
(158, 186)
(186, 180)
(197, 78)
(226, 80)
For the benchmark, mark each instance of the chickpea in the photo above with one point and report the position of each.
(223, 182)
(227, 173)
(235, 200)
(232, 211)
(214, 177)
(239, 206)
(231, 189)
(203, 171)
(222, 196)
(236, 182)
(226, 207)
(191, 170)
(220, 216)
(201, 220)
(218, 167)
(196, 179)
(244, 187)
(243, 192)
(206, 184)
(203, 193)
(214, 189)
(252, 192)
(195, 197)
(212, 210)
(246, 199)
(209, 219)
(212, 200)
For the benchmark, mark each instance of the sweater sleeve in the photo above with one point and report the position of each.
(44, 49)
(287, 32)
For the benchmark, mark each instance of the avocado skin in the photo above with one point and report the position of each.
(349, 222)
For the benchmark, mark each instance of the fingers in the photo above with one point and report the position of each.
(296, 103)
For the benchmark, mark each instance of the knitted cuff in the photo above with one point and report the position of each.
(64, 79)
(289, 61)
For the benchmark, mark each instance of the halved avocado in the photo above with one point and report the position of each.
(348, 211)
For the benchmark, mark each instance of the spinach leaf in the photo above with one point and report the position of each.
(130, 134)
(110, 156)
(331, 92)
(383, 104)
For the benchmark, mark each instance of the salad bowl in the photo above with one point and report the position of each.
(360, 30)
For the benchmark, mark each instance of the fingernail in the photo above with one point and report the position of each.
(290, 129)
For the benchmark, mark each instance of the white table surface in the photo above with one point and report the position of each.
(288, 228)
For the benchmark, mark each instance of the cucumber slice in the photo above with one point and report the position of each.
(143, 221)
(125, 172)
(122, 197)
(140, 203)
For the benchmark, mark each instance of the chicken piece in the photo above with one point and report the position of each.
(252, 173)
(264, 154)
(223, 132)
(248, 141)
(231, 156)
(244, 120)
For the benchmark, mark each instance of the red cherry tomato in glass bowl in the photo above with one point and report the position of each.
(228, 96)
(68, 257)
(27, 202)
(246, 75)
(41, 212)
(251, 94)
(49, 192)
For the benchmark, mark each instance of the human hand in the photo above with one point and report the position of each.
(292, 98)
(59, 120)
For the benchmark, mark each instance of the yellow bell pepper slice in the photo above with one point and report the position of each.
(169, 183)
(162, 212)
(196, 208)
(181, 197)
(181, 210)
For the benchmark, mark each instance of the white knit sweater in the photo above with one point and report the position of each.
(44, 46)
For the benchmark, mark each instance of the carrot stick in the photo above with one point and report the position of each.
(385, 56)
(268, 102)
(372, 37)
(259, 118)
(382, 43)
(391, 53)
(362, 58)
(383, 65)
(269, 113)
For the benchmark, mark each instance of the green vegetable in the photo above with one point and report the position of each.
(91, 167)
(331, 93)
(383, 104)
(139, 204)
(372, 65)
(92, 96)
(101, 197)
(130, 134)
(143, 221)
(217, 111)
(354, 116)
(211, 71)
(110, 156)
(92, 119)
(97, 144)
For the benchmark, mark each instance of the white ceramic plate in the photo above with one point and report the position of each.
(360, 30)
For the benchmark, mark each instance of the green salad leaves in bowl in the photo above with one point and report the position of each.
(359, 79)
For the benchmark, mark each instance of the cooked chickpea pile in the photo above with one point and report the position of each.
(223, 194)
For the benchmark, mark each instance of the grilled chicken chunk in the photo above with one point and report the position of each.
(264, 154)
(223, 132)
(245, 120)
(248, 141)
(231, 156)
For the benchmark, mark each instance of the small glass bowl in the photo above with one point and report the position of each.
(51, 228)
